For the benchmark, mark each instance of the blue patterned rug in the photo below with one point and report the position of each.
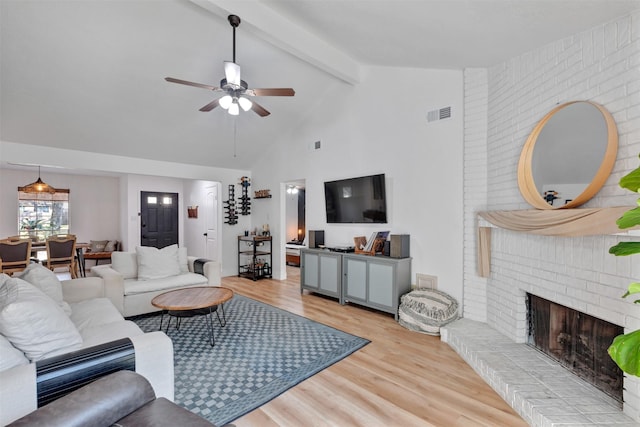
(261, 352)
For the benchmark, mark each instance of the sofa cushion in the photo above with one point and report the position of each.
(34, 323)
(94, 312)
(98, 245)
(125, 263)
(47, 281)
(111, 246)
(132, 287)
(183, 260)
(10, 356)
(100, 334)
(154, 263)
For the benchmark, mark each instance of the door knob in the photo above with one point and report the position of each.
(205, 234)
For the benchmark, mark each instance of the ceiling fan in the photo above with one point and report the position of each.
(237, 90)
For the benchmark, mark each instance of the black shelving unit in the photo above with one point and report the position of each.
(254, 257)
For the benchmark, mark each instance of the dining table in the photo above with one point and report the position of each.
(41, 246)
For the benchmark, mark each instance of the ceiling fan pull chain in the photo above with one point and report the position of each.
(235, 134)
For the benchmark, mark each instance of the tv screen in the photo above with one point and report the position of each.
(356, 200)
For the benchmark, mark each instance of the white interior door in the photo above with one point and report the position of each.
(211, 219)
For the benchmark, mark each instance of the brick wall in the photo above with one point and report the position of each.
(475, 188)
(600, 65)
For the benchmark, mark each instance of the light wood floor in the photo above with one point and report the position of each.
(401, 378)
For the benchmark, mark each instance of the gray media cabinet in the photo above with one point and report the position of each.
(372, 281)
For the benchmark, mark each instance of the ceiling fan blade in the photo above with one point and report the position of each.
(259, 109)
(210, 106)
(281, 91)
(188, 83)
(232, 73)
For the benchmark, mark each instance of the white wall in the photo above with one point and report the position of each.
(601, 65)
(94, 202)
(380, 126)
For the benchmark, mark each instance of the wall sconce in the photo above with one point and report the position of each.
(192, 211)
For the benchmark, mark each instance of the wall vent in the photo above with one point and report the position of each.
(440, 114)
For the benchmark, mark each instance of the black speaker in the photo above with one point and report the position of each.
(316, 238)
(399, 246)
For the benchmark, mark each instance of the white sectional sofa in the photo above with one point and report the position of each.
(133, 279)
(45, 323)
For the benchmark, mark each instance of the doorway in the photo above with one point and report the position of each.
(211, 222)
(158, 219)
(293, 223)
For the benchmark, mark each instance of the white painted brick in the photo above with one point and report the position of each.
(502, 104)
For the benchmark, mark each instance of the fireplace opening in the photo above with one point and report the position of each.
(577, 341)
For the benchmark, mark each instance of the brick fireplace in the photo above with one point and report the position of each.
(502, 105)
(574, 272)
(577, 341)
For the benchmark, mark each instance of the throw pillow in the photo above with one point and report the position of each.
(34, 323)
(154, 263)
(125, 263)
(98, 245)
(111, 246)
(10, 356)
(47, 281)
(183, 260)
(3, 278)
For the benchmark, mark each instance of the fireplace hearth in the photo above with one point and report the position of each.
(577, 341)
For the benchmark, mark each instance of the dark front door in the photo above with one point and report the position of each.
(158, 219)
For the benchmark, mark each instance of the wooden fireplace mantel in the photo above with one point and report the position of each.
(557, 222)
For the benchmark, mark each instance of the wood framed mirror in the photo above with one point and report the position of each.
(568, 156)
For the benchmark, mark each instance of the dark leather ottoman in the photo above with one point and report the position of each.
(124, 398)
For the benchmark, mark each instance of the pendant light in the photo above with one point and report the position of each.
(38, 186)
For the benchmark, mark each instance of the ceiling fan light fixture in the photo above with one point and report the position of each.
(225, 102)
(245, 103)
(234, 87)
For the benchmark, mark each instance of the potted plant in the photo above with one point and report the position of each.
(31, 226)
(625, 349)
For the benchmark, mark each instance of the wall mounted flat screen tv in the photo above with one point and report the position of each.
(356, 200)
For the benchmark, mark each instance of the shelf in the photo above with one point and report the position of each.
(258, 264)
(255, 253)
(558, 222)
(263, 197)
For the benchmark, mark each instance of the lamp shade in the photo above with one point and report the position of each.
(225, 102)
(245, 103)
(234, 110)
(39, 186)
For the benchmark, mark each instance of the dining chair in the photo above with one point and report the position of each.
(61, 252)
(15, 255)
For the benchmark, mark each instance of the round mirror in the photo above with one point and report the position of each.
(568, 156)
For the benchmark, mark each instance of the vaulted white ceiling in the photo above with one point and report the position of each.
(89, 75)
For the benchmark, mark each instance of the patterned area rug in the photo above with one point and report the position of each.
(261, 352)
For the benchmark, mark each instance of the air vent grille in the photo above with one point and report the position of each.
(440, 114)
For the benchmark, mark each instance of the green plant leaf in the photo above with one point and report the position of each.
(631, 181)
(629, 219)
(625, 248)
(625, 351)
(633, 288)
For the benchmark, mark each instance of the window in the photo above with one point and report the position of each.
(41, 215)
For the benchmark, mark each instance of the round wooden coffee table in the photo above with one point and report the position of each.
(196, 301)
